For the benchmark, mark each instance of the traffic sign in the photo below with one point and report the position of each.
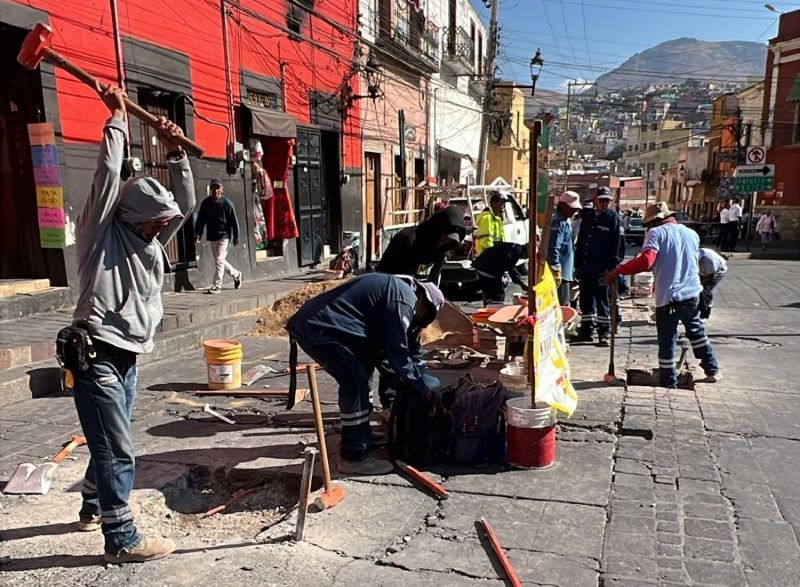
(756, 155)
(754, 178)
(754, 171)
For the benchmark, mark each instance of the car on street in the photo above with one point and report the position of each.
(634, 230)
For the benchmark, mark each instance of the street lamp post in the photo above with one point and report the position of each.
(536, 69)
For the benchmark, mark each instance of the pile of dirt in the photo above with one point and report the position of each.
(272, 319)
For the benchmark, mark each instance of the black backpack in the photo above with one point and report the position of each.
(417, 436)
(478, 424)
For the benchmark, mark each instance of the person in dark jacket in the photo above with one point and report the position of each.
(424, 245)
(371, 321)
(492, 265)
(217, 217)
(560, 252)
(601, 247)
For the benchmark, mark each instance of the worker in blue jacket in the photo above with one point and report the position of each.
(371, 321)
(600, 248)
(560, 251)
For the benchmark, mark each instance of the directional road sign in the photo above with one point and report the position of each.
(756, 155)
(754, 178)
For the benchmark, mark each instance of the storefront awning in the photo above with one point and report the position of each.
(794, 92)
(271, 123)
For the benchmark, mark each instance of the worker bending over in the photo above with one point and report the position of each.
(368, 322)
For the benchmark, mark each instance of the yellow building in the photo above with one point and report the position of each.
(507, 149)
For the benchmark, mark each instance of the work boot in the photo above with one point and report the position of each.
(582, 336)
(368, 466)
(214, 289)
(711, 378)
(603, 340)
(148, 549)
(94, 522)
(237, 281)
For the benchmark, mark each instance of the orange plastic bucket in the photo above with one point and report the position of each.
(223, 363)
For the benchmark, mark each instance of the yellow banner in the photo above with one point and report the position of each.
(49, 197)
(553, 385)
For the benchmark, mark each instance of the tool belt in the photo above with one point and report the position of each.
(74, 348)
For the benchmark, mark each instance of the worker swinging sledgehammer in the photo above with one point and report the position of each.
(372, 321)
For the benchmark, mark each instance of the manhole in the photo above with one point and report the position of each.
(189, 498)
(649, 378)
(644, 378)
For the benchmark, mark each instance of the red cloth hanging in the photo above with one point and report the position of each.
(278, 211)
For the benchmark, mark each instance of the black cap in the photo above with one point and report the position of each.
(215, 181)
(496, 197)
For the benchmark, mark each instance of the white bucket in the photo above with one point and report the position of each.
(642, 284)
(514, 379)
(522, 415)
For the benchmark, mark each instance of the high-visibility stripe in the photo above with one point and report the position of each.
(116, 515)
(701, 342)
(88, 487)
(355, 422)
(355, 415)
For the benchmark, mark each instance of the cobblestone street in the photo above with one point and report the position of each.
(686, 487)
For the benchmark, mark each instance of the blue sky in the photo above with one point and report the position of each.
(581, 39)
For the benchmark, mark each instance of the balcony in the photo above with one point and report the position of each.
(460, 54)
(408, 35)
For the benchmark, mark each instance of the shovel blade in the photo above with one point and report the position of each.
(28, 478)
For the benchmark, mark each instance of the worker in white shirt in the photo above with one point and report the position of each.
(724, 219)
(734, 216)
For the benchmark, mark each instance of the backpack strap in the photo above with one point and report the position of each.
(292, 372)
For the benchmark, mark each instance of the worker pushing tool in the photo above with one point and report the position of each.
(372, 321)
(672, 251)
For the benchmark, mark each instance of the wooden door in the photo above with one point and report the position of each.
(309, 195)
(180, 250)
(373, 214)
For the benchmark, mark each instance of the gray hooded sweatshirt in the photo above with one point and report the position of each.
(120, 272)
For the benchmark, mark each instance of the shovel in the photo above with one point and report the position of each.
(30, 478)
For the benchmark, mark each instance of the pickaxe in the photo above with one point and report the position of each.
(36, 47)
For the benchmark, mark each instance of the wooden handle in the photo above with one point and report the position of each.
(323, 449)
(508, 568)
(136, 110)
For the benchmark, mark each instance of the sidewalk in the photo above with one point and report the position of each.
(27, 345)
(651, 486)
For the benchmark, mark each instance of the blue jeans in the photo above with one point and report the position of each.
(355, 398)
(104, 397)
(667, 318)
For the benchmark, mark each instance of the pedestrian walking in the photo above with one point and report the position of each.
(490, 224)
(561, 252)
(369, 322)
(217, 217)
(734, 217)
(601, 246)
(671, 251)
(712, 269)
(121, 233)
(767, 224)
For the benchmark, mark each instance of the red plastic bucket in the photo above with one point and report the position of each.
(530, 435)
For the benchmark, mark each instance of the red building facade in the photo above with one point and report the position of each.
(781, 124)
(236, 76)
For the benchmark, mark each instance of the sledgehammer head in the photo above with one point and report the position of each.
(329, 498)
(34, 45)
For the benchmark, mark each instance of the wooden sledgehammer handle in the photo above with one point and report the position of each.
(132, 107)
(67, 450)
(323, 449)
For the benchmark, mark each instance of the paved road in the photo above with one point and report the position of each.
(651, 486)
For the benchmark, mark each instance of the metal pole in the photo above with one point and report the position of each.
(487, 93)
(647, 188)
(533, 247)
(401, 123)
(227, 58)
(567, 139)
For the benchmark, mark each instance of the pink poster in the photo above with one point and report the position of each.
(51, 217)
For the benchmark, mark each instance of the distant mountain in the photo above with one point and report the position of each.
(681, 59)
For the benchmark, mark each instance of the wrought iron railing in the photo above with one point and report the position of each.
(461, 45)
(403, 23)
